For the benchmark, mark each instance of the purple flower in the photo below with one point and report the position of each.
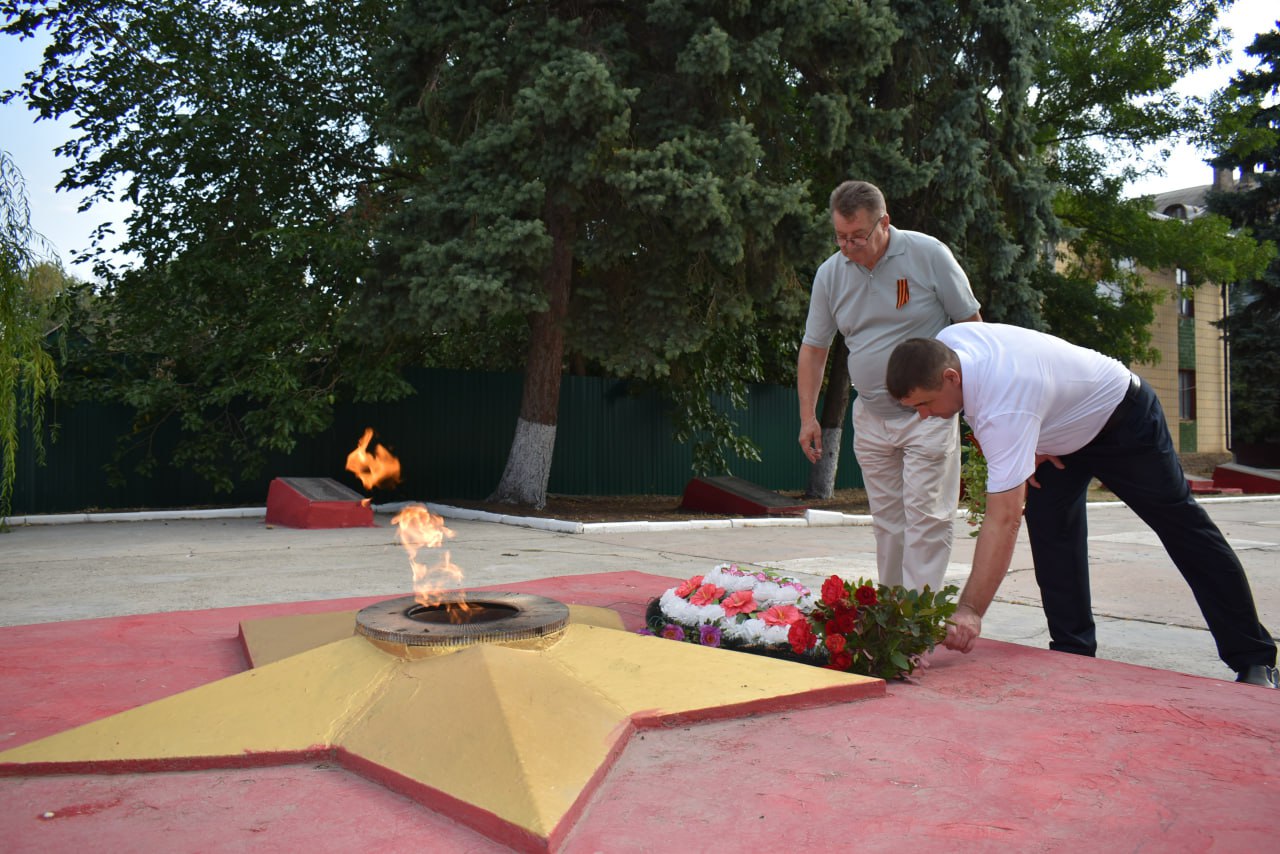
(673, 632)
(709, 635)
(648, 632)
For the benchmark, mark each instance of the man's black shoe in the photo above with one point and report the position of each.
(1260, 674)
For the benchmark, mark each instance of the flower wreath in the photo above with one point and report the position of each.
(874, 630)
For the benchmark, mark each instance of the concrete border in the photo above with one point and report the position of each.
(135, 516)
(812, 518)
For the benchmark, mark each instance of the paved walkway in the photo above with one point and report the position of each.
(1146, 613)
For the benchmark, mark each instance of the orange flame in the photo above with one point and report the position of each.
(379, 468)
(419, 529)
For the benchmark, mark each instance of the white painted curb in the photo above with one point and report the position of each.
(140, 516)
(812, 518)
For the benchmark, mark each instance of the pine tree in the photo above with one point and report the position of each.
(1248, 139)
(626, 177)
(950, 139)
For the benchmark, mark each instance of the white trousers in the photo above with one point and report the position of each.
(911, 468)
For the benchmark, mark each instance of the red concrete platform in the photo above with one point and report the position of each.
(1007, 749)
(1252, 481)
(1206, 486)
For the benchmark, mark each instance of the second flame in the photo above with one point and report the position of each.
(417, 529)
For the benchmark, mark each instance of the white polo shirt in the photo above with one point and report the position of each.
(916, 289)
(1028, 393)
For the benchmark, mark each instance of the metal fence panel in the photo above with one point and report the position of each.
(452, 437)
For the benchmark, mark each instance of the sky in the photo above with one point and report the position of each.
(54, 214)
(1185, 166)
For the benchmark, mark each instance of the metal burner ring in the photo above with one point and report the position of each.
(505, 618)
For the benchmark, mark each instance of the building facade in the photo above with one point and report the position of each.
(1192, 378)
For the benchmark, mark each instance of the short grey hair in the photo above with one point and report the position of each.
(853, 196)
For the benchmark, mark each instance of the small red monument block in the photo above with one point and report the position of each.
(734, 496)
(316, 502)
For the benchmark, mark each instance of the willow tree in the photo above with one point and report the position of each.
(28, 374)
(617, 174)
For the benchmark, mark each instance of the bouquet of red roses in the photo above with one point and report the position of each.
(874, 630)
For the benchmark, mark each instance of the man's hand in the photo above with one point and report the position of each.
(1057, 463)
(810, 366)
(811, 439)
(963, 629)
(991, 559)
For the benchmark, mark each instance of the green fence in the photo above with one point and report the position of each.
(452, 438)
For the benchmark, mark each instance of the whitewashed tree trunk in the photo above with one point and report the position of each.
(835, 404)
(524, 481)
(822, 475)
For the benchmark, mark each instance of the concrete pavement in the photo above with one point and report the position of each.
(1146, 613)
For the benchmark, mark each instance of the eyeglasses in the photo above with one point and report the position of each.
(859, 239)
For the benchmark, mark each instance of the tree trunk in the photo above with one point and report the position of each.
(822, 476)
(524, 481)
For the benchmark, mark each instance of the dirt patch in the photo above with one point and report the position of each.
(648, 508)
(1202, 465)
(666, 508)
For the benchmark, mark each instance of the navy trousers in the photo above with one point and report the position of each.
(1134, 458)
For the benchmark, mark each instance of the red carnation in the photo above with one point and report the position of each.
(832, 590)
(866, 595)
(835, 643)
(842, 660)
(801, 637)
(845, 617)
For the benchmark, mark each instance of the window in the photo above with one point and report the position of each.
(1187, 395)
(1186, 296)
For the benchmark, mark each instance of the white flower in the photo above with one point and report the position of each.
(755, 631)
(683, 611)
